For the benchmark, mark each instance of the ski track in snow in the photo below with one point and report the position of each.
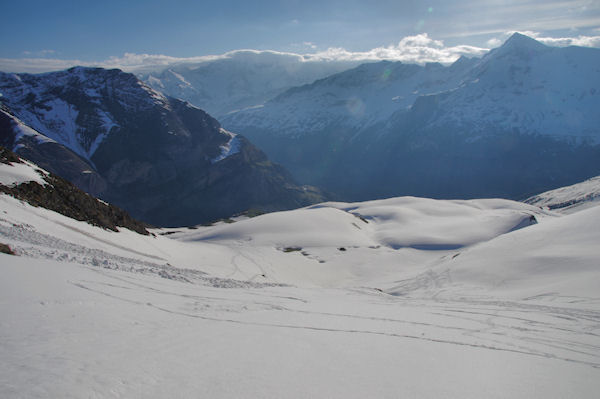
(554, 332)
(26, 241)
(566, 334)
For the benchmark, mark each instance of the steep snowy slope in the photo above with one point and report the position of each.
(351, 100)
(48, 153)
(527, 87)
(139, 149)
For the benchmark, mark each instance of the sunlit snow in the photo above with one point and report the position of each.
(341, 300)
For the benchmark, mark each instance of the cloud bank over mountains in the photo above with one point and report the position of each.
(417, 49)
(581, 40)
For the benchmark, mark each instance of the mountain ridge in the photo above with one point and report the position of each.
(147, 149)
(520, 120)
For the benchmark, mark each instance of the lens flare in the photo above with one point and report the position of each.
(356, 107)
(386, 74)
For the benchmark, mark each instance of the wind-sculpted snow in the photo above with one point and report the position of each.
(258, 307)
(405, 222)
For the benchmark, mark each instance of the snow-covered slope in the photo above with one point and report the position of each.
(559, 257)
(569, 199)
(184, 312)
(353, 100)
(404, 222)
(531, 88)
(13, 174)
(70, 106)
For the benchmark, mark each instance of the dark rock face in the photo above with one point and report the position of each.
(5, 249)
(163, 160)
(63, 197)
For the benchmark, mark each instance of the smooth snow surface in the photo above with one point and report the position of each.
(405, 297)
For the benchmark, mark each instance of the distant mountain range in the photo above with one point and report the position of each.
(162, 159)
(518, 121)
(521, 120)
(245, 78)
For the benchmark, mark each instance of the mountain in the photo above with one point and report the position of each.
(241, 79)
(161, 159)
(48, 153)
(520, 120)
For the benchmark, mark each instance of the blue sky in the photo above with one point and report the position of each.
(97, 30)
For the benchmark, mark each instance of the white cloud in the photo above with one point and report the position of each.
(411, 49)
(41, 53)
(37, 65)
(582, 41)
(494, 42)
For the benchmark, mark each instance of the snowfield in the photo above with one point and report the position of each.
(404, 297)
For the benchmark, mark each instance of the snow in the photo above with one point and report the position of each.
(355, 99)
(571, 198)
(559, 257)
(405, 222)
(231, 147)
(22, 130)
(155, 96)
(55, 117)
(272, 307)
(16, 173)
(184, 82)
